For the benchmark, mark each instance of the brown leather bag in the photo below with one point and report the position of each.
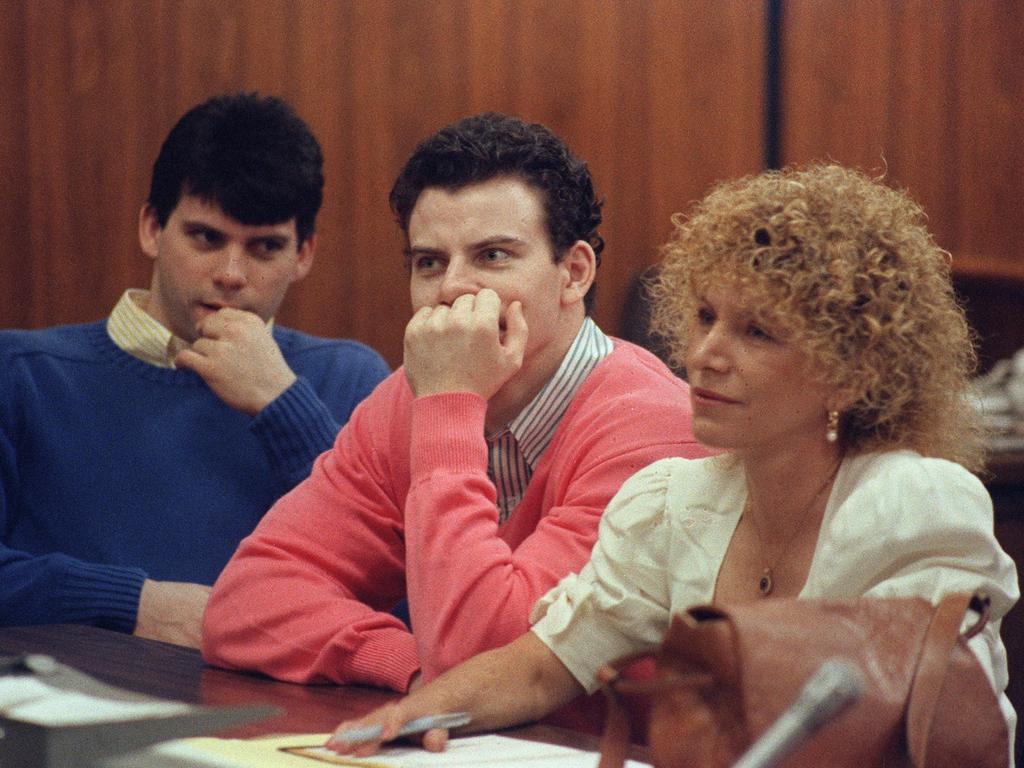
(725, 674)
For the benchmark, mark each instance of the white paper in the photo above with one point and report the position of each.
(27, 699)
(482, 751)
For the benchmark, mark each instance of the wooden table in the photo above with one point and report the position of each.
(173, 672)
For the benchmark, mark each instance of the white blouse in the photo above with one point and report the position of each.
(896, 525)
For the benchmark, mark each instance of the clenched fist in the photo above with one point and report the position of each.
(238, 359)
(467, 347)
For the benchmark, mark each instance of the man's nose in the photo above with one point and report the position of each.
(230, 270)
(458, 279)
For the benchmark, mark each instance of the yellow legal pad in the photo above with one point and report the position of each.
(304, 751)
(294, 751)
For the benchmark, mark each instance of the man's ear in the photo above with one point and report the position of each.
(304, 257)
(149, 231)
(579, 267)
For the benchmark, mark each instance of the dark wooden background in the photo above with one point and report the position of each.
(662, 97)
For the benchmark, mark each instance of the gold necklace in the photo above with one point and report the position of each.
(766, 581)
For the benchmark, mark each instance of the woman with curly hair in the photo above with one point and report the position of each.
(828, 361)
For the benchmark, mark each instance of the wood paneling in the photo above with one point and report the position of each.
(932, 93)
(660, 97)
(15, 249)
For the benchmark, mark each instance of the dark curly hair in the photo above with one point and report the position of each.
(482, 147)
(251, 155)
(846, 271)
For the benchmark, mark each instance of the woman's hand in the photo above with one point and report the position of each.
(387, 721)
(518, 683)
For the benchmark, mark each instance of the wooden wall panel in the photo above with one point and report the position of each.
(933, 95)
(930, 92)
(15, 249)
(660, 97)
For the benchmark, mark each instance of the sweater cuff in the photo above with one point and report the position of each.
(448, 433)
(294, 429)
(102, 595)
(386, 659)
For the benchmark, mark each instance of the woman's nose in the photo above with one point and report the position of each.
(709, 349)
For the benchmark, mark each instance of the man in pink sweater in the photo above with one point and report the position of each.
(473, 478)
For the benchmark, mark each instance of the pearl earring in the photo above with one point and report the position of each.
(832, 427)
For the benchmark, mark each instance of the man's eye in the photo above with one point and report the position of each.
(495, 255)
(205, 237)
(424, 263)
(268, 248)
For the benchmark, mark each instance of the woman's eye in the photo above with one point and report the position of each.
(705, 316)
(758, 332)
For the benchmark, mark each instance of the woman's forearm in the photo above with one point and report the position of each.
(518, 683)
(521, 682)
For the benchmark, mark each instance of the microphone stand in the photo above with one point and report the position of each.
(826, 695)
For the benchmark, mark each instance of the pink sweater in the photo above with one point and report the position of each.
(402, 506)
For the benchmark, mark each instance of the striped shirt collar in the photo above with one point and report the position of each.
(141, 335)
(536, 423)
(511, 462)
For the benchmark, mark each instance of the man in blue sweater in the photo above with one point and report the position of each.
(136, 452)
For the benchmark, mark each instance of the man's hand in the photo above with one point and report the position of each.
(462, 348)
(172, 611)
(239, 360)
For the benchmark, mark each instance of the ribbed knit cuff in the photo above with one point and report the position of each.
(448, 433)
(386, 658)
(294, 429)
(101, 595)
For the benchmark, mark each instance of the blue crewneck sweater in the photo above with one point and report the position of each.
(113, 470)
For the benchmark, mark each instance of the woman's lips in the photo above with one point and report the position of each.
(708, 395)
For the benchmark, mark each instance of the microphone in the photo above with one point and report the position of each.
(825, 695)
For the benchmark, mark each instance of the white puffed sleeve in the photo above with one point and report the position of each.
(619, 602)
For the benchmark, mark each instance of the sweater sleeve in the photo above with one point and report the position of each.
(306, 595)
(54, 588)
(469, 588)
(299, 425)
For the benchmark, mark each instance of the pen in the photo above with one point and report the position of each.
(419, 725)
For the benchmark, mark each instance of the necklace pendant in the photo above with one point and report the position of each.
(766, 583)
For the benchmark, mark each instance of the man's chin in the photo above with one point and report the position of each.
(198, 315)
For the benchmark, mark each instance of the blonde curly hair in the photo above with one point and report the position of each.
(845, 270)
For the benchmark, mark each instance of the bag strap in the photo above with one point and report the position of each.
(615, 739)
(930, 675)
